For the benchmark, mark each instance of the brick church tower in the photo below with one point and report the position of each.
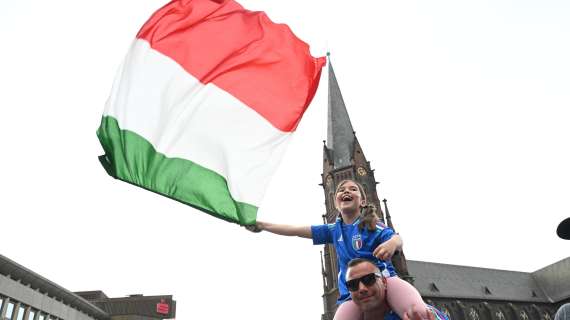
(343, 158)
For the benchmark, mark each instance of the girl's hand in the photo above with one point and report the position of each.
(258, 227)
(385, 251)
(253, 228)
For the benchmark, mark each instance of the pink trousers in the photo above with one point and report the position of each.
(401, 297)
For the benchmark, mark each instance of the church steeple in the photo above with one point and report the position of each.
(340, 135)
(343, 158)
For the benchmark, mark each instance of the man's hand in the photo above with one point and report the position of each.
(415, 315)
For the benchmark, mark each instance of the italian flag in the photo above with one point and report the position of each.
(204, 104)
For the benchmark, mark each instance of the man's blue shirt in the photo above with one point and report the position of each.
(438, 315)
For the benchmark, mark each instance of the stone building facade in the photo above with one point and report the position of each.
(25, 295)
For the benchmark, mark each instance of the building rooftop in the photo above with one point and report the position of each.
(96, 304)
(547, 285)
(27, 277)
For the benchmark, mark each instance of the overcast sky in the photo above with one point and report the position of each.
(462, 107)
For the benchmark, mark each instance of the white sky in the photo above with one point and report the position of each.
(461, 106)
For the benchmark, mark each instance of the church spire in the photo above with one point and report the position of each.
(388, 217)
(340, 135)
(343, 158)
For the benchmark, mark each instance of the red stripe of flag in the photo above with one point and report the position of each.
(261, 63)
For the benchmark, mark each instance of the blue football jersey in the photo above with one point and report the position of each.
(351, 243)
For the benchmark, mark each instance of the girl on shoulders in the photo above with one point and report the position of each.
(358, 233)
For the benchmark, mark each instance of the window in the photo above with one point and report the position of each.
(10, 310)
(42, 316)
(21, 311)
(1, 303)
(32, 314)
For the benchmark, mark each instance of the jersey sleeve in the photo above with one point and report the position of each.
(322, 233)
(386, 234)
(383, 234)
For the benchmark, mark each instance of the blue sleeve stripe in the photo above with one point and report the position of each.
(380, 227)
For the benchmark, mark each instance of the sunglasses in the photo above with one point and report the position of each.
(367, 280)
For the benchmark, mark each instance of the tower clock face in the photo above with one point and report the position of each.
(361, 171)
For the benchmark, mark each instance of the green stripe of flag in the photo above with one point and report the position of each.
(136, 161)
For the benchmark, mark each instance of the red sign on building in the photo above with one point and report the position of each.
(162, 307)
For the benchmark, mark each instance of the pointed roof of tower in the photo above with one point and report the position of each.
(340, 135)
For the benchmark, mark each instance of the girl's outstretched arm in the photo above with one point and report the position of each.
(386, 250)
(285, 229)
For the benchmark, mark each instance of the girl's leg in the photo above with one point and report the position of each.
(348, 311)
(402, 296)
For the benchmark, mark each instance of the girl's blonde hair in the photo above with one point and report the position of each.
(368, 217)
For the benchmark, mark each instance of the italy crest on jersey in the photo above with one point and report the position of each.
(357, 241)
